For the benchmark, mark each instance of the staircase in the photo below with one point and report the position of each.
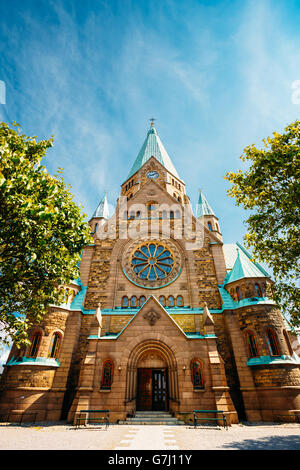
(153, 418)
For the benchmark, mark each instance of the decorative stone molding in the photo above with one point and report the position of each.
(152, 317)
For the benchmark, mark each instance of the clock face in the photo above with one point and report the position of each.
(152, 174)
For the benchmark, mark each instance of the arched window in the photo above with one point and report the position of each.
(171, 214)
(35, 343)
(197, 374)
(107, 374)
(162, 300)
(151, 206)
(209, 226)
(238, 293)
(96, 228)
(288, 343)
(133, 301)
(138, 214)
(171, 301)
(258, 290)
(142, 300)
(272, 342)
(251, 344)
(177, 214)
(164, 214)
(54, 345)
(180, 301)
(125, 302)
(66, 296)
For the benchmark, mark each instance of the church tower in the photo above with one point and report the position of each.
(165, 317)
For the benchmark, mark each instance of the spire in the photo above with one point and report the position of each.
(244, 268)
(102, 209)
(153, 147)
(207, 318)
(203, 208)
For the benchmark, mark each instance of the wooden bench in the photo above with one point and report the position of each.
(83, 417)
(216, 418)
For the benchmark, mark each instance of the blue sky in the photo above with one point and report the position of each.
(217, 76)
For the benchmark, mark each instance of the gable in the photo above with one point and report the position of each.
(154, 318)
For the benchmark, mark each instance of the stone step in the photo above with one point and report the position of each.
(142, 422)
(153, 415)
(152, 418)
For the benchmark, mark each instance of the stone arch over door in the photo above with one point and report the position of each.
(152, 354)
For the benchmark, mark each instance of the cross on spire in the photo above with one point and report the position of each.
(152, 121)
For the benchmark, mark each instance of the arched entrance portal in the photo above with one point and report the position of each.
(152, 378)
(152, 382)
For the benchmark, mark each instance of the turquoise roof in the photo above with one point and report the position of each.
(78, 302)
(203, 208)
(33, 361)
(267, 360)
(102, 209)
(153, 147)
(239, 264)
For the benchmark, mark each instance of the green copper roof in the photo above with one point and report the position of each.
(153, 147)
(203, 208)
(102, 209)
(238, 262)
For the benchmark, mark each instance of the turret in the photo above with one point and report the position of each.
(207, 216)
(100, 216)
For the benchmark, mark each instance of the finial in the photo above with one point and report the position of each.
(152, 121)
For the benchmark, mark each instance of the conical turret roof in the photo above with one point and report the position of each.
(203, 208)
(243, 267)
(153, 147)
(102, 209)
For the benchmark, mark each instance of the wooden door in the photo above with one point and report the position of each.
(144, 392)
(159, 390)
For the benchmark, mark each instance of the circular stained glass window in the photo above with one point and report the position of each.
(152, 261)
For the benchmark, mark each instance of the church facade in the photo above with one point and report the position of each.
(165, 317)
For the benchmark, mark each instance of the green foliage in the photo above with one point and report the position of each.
(42, 233)
(270, 189)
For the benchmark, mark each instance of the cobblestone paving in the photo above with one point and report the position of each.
(62, 436)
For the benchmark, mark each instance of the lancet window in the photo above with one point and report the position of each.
(107, 374)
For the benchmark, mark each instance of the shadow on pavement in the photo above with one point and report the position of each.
(291, 442)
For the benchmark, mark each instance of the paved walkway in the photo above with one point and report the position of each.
(62, 436)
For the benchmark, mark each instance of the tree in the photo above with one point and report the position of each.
(42, 233)
(270, 189)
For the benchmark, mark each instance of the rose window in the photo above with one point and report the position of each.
(152, 261)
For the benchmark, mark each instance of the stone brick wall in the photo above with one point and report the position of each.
(258, 318)
(18, 376)
(206, 277)
(276, 376)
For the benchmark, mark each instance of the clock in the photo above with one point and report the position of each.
(152, 174)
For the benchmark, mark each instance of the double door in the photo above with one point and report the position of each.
(152, 390)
